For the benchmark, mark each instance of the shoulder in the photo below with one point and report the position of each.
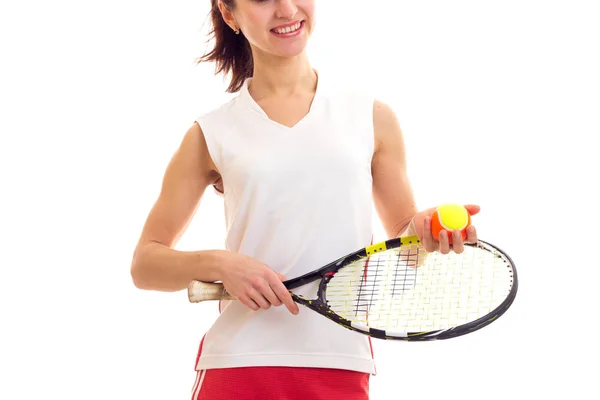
(342, 89)
(386, 126)
(213, 127)
(383, 113)
(218, 112)
(215, 122)
(351, 104)
(365, 104)
(349, 92)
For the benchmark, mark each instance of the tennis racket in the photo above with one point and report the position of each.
(397, 290)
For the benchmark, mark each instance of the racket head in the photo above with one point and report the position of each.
(395, 290)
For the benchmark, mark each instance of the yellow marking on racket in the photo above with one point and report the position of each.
(405, 241)
(374, 248)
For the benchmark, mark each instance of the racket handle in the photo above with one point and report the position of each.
(202, 291)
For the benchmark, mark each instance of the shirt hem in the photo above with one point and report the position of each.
(287, 360)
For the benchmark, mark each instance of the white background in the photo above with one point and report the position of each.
(499, 103)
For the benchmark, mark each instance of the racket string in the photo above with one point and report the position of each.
(412, 290)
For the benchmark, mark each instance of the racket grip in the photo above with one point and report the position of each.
(202, 291)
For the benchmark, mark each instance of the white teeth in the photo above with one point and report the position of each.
(289, 29)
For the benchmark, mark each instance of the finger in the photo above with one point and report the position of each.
(259, 299)
(457, 242)
(472, 234)
(472, 208)
(245, 300)
(284, 295)
(428, 240)
(444, 242)
(270, 295)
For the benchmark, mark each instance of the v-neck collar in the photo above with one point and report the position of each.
(248, 101)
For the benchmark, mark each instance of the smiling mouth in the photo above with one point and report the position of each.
(288, 29)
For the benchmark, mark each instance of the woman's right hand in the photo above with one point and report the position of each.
(255, 284)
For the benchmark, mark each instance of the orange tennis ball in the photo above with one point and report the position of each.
(450, 217)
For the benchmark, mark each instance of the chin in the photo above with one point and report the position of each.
(290, 53)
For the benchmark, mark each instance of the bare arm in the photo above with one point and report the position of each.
(392, 191)
(156, 265)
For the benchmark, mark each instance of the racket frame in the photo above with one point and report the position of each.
(326, 272)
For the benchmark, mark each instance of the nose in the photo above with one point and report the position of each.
(286, 9)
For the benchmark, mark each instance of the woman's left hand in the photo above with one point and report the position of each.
(422, 226)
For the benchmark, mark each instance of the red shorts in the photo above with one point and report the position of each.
(280, 383)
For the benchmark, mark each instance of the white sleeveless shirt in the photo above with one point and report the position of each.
(296, 199)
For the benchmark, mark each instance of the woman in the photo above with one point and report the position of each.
(299, 161)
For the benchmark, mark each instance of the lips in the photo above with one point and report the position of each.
(288, 29)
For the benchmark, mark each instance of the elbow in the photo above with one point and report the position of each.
(137, 276)
(138, 273)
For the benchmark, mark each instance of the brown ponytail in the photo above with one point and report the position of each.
(232, 53)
